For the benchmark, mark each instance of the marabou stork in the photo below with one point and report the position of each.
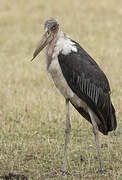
(80, 80)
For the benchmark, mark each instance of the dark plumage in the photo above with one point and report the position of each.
(88, 81)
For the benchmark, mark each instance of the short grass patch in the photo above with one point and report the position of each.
(32, 111)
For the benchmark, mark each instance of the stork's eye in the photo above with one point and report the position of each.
(53, 28)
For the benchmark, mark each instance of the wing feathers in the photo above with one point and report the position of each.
(89, 83)
(86, 87)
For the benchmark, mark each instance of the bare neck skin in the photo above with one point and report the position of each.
(51, 46)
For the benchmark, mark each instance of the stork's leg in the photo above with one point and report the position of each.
(95, 131)
(67, 132)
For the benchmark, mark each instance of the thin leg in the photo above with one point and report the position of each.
(95, 131)
(67, 132)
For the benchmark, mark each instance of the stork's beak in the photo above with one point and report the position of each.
(43, 42)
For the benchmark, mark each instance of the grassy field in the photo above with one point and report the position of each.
(32, 111)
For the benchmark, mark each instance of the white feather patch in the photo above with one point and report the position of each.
(64, 45)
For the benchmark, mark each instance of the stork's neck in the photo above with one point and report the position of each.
(51, 46)
(60, 43)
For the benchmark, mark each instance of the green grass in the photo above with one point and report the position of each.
(32, 111)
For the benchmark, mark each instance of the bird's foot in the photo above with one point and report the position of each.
(64, 172)
(101, 170)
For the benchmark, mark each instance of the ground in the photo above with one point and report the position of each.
(32, 111)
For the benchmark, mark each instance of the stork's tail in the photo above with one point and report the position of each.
(112, 123)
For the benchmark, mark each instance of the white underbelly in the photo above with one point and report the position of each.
(60, 82)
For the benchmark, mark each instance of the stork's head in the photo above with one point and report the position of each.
(51, 28)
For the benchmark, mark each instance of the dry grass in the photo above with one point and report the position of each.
(32, 112)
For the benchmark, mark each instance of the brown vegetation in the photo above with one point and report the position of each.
(32, 111)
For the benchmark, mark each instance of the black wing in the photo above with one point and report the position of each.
(88, 81)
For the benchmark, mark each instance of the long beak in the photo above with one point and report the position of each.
(43, 42)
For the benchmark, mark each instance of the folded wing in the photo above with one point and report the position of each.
(89, 83)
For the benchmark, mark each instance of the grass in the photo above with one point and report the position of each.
(32, 112)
